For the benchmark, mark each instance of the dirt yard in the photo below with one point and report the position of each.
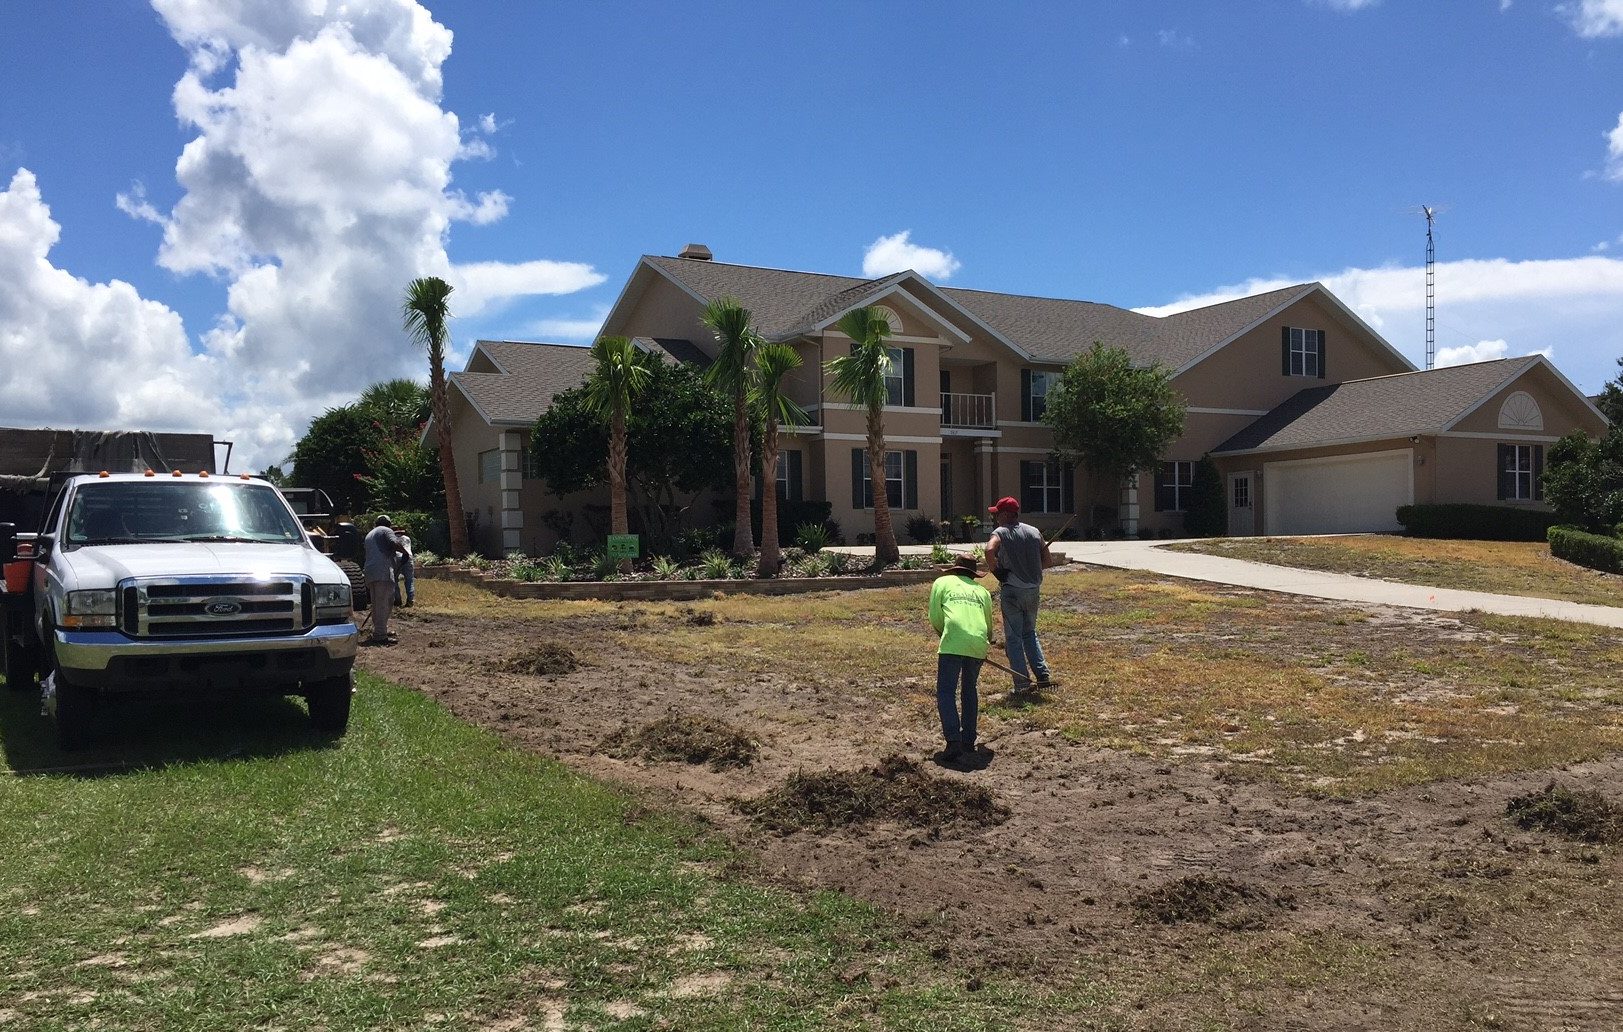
(1299, 826)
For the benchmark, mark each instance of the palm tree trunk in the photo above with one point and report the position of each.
(441, 404)
(885, 552)
(618, 523)
(769, 502)
(743, 534)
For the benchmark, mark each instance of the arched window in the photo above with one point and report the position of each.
(890, 317)
(1520, 412)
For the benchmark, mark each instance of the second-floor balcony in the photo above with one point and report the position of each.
(969, 411)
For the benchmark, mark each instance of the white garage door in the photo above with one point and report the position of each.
(1344, 495)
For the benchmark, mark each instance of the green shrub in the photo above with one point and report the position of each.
(1476, 522)
(475, 561)
(552, 568)
(941, 555)
(412, 524)
(1208, 514)
(666, 568)
(913, 562)
(1596, 551)
(813, 537)
(921, 528)
(715, 565)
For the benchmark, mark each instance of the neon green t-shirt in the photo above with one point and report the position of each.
(961, 612)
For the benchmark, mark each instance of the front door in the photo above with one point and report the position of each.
(1242, 509)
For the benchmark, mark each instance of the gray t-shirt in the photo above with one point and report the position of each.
(379, 554)
(1020, 551)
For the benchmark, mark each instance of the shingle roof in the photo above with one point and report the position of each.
(1400, 405)
(785, 303)
(532, 375)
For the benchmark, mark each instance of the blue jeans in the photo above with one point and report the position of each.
(1019, 607)
(949, 670)
(405, 572)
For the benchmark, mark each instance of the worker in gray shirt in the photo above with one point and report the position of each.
(1018, 555)
(381, 551)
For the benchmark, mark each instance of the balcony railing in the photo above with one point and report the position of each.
(969, 411)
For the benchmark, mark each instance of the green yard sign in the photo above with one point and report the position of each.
(623, 546)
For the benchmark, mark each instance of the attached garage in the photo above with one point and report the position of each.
(1343, 494)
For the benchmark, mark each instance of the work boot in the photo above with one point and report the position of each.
(954, 750)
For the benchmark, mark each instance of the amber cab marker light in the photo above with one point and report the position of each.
(246, 477)
(104, 474)
(176, 473)
(150, 473)
(203, 473)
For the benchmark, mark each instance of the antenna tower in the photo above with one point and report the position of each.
(1431, 290)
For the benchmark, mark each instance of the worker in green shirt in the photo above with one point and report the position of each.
(961, 612)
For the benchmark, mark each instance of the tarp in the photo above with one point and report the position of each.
(28, 458)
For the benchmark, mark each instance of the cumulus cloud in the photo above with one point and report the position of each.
(1175, 40)
(1482, 351)
(568, 329)
(1592, 18)
(1536, 306)
(897, 253)
(317, 185)
(1344, 5)
(1614, 151)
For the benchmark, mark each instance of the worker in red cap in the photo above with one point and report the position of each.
(1018, 555)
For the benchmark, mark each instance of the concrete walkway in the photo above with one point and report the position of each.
(1150, 557)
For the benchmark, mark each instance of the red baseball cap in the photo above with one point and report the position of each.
(1006, 505)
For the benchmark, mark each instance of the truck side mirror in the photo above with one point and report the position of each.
(43, 546)
(8, 542)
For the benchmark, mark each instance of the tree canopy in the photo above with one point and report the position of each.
(366, 455)
(1110, 417)
(1583, 480)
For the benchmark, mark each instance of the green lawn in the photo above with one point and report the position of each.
(246, 874)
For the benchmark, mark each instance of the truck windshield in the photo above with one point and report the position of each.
(139, 512)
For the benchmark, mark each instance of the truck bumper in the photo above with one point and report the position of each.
(112, 661)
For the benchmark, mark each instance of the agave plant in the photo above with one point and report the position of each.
(813, 537)
(552, 568)
(666, 568)
(716, 565)
(941, 555)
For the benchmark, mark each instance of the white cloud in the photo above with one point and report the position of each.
(134, 203)
(897, 253)
(1174, 40)
(480, 284)
(1482, 351)
(1505, 5)
(1614, 151)
(567, 329)
(1345, 5)
(1574, 304)
(1592, 18)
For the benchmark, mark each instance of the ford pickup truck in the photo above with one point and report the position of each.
(143, 585)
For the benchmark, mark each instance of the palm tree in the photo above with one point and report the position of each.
(736, 343)
(621, 373)
(427, 312)
(773, 362)
(860, 376)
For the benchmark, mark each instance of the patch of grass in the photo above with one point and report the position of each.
(416, 874)
(895, 789)
(1500, 567)
(687, 738)
(1585, 816)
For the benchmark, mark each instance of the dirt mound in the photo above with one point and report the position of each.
(895, 789)
(688, 739)
(1220, 901)
(1585, 816)
(548, 659)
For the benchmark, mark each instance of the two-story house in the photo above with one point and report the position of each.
(1317, 423)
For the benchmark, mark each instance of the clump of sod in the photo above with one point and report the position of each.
(1585, 816)
(686, 738)
(549, 658)
(896, 789)
(1220, 901)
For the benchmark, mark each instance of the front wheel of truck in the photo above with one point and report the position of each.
(74, 704)
(329, 704)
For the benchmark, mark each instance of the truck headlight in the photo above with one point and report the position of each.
(333, 596)
(97, 608)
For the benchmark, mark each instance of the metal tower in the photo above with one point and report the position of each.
(1431, 290)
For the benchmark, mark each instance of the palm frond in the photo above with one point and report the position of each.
(773, 363)
(860, 376)
(736, 342)
(427, 313)
(620, 374)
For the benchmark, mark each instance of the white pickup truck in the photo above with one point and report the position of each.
(148, 584)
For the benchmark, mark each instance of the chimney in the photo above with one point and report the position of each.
(698, 252)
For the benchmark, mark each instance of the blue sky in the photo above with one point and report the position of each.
(223, 199)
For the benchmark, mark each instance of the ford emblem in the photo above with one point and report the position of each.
(222, 607)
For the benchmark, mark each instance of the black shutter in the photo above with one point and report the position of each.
(858, 459)
(907, 377)
(796, 493)
(1067, 474)
(1025, 395)
(910, 480)
(1165, 499)
(1030, 500)
(1538, 472)
(1284, 351)
(1506, 488)
(1321, 354)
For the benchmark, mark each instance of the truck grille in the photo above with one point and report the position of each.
(203, 607)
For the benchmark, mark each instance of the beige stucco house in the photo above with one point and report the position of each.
(1317, 423)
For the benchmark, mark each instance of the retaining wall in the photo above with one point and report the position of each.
(672, 590)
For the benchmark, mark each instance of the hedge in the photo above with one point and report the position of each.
(1596, 551)
(1478, 522)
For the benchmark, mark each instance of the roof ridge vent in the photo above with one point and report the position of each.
(697, 252)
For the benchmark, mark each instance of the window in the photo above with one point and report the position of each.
(1521, 472)
(901, 479)
(1242, 492)
(1172, 484)
(1045, 487)
(490, 466)
(530, 468)
(1302, 352)
(1034, 393)
(895, 380)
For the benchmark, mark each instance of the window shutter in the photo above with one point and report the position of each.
(946, 382)
(910, 480)
(1538, 472)
(1029, 500)
(1067, 474)
(1505, 486)
(1025, 395)
(795, 490)
(907, 377)
(858, 460)
(1164, 491)
(1321, 354)
(1284, 351)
